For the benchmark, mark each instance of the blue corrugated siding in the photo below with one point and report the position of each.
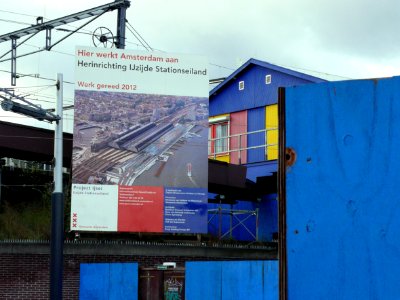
(256, 280)
(342, 193)
(108, 281)
(256, 121)
(255, 94)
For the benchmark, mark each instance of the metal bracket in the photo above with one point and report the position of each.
(48, 38)
(13, 61)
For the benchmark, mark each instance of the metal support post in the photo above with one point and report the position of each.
(231, 222)
(1, 169)
(13, 61)
(120, 43)
(57, 204)
(257, 224)
(219, 221)
(48, 38)
(240, 150)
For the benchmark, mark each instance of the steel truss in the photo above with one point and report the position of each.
(92, 13)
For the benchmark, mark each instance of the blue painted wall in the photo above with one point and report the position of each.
(108, 281)
(268, 215)
(255, 94)
(256, 121)
(342, 193)
(256, 280)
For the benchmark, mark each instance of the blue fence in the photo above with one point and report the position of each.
(342, 192)
(255, 280)
(109, 281)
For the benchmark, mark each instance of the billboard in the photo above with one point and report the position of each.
(140, 142)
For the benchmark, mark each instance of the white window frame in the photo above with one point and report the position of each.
(268, 79)
(223, 139)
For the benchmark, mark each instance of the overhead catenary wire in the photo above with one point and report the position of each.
(47, 96)
(135, 33)
(44, 18)
(15, 22)
(37, 76)
(47, 47)
(29, 100)
(138, 37)
(17, 13)
(91, 33)
(28, 93)
(48, 101)
(33, 86)
(145, 45)
(51, 50)
(310, 70)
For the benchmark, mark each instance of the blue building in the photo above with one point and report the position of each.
(243, 130)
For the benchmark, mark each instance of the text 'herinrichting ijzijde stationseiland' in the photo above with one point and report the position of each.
(140, 142)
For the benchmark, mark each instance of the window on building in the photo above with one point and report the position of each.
(241, 85)
(218, 137)
(210, 143)
(268, 79)
(221, 138)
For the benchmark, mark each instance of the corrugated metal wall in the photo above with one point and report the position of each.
(255, 280)
(108, 281)
(256, 121)
(238, 124)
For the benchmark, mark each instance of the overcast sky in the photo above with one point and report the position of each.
(349, 39)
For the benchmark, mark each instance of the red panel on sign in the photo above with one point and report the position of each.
(140, 208)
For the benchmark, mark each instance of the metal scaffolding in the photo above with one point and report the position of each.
(234, 216)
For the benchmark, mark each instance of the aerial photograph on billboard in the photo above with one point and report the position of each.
(140, 161)
(139, 139)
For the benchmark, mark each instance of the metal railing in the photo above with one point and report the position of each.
(213, 152)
